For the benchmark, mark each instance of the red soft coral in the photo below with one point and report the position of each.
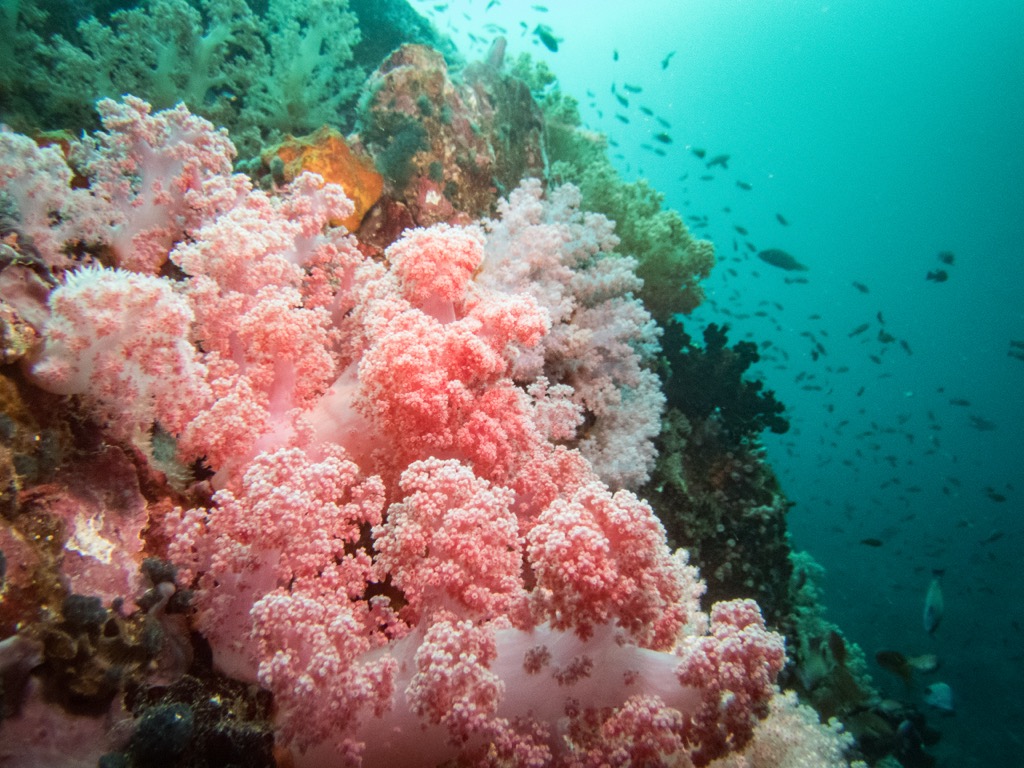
(441, 387)
(291, 518)
(452, 541)
(601, 558)
(734, 668)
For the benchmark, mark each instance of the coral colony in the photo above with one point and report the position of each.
(292, 480)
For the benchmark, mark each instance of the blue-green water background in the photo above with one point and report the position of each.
(885, 132)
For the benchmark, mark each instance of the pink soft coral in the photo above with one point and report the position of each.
(601, 341)
(314, 658)
(292, 518)
(122, 342)
(154, 179)
(434, 380)
(434, 266)
(601, 558)
(454, 540)
(268, 332)
(507, 606)
(36, 182)
(734, 668)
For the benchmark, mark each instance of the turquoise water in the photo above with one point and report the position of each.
(878, 143)
(884, 133)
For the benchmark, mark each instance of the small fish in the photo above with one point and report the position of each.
(779, 258)
(699, 152)
(895, 662)
(491, 5)
(859, 330)
(947, 257)
(940, 696)
(885, 337)
(872, 542)
(995, 536)
(837, 647)
(722, 160)
(622, 118)
(632, 88)
(982, 424)
(738, 228)
(934, 605)
(667, 59)
(623, 101)
(782, 219)
(937, 276)
(926, 662)
(647, 111)
(995, 495)
(540, 8)
(662, 122)
(663, 137)
(546, 35)
(961, 401)
(615, 54)
(906, 347)
(860, 287)
(744, 185)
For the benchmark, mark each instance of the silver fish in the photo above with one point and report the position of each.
(940, 696)
(933, 603)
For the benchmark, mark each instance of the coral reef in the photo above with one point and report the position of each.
(707, 382)
(262, 70)
(327, 154)
(330, 467)
(446, 149)
(321, 466)
(712, 486)
(671, 261)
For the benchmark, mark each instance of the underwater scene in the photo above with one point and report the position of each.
(492, 383)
